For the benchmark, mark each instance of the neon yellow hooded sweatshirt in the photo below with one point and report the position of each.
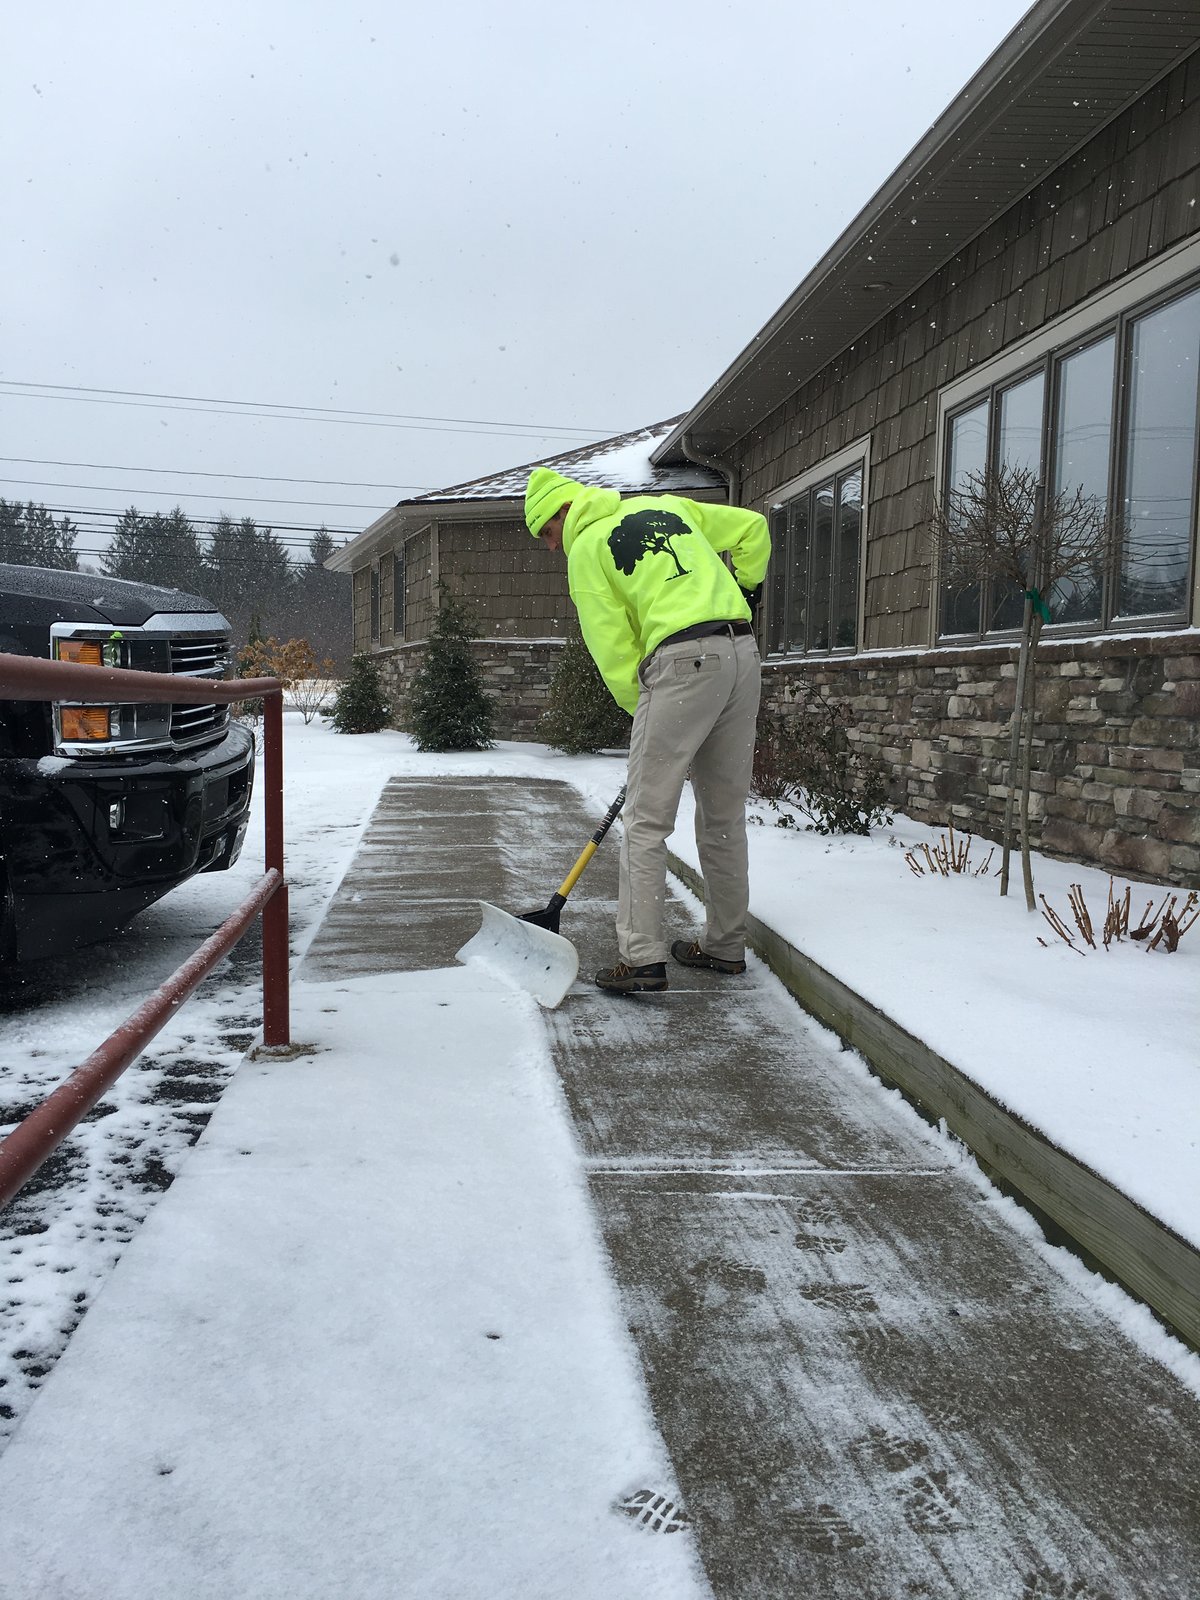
(643, 568)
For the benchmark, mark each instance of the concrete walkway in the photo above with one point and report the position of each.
(870, 1380)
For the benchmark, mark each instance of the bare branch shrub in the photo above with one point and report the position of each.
(1160, 927)
(946, 857)
(806, 758)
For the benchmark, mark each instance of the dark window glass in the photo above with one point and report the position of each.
(778, 588)
(821, 581)
(375, 603)
(1083, 435)
(1018, 448)
(968, 459)
(816, 547)
(398, 595)
(849, 526)
(1160, 458)
(798, 576)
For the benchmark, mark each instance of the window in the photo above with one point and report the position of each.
(398, 595)
(374, 602)
(816, 540)
(1114, 414)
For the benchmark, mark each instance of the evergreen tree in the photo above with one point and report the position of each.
(359, 706)
(320, 609)
(582, 715)
(160, 549)
(30, 537)
(447, 707)
(247, 572)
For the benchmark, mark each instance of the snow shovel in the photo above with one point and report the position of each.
(529, 951)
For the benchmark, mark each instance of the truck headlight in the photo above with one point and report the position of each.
(83, 652)
(86, 724)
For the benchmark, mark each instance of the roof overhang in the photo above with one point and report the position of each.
(1066, 70)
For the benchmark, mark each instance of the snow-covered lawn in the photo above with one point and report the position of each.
(1099, 1051)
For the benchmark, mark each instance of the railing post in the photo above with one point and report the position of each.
(276, 1018)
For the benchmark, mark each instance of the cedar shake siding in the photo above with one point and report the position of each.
(1121, 201)
(1106, 237)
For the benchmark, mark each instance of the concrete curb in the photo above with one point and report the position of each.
(1139, 1251)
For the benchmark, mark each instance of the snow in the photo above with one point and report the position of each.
(1098, 1051)
(473, 1433)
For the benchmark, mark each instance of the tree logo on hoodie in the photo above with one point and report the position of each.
(646, 533)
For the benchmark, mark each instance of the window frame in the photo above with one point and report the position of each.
(1113, 312)
(832, 470)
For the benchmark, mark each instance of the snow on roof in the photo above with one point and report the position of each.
(622, 462)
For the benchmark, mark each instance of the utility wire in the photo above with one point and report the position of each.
(192, 472)
(88, 516)
(323, 413)
(241, 499)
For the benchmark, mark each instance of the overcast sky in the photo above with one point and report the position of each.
(535, 217)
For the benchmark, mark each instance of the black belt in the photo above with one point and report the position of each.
(704, 630)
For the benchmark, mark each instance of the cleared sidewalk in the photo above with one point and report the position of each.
(870, 1379)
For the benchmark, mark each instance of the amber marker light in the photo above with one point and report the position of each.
(80, 724)
(84, 652)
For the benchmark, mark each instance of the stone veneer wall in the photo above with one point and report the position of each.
(516, 672)
(1116, 750)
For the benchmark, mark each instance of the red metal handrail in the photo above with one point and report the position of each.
(26, 678)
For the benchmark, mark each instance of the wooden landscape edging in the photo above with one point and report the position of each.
(1139, 1251)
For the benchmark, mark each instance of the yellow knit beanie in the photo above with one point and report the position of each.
(545, 494)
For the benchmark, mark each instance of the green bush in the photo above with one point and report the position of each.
(805, 757)
(359, 706)
(582, 716)
(446, 707)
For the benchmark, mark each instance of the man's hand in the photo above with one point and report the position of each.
(752, 597)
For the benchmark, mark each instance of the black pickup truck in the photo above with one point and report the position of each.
(105, 809)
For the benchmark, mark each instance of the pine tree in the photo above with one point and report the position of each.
(582, 715)
(247, 573)
(320, 609)
(30, 537)
(159, 549)
(360, 706)
(447, 708)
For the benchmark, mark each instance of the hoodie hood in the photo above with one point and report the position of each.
(588, 506)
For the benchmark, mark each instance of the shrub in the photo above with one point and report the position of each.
(294, 663)
(582, 716)
(359, 706)
(806, 758)
(447, 708)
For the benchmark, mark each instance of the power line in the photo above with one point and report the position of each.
(194, 472)
(241, 499)
(272, 416)
(88, 514)
(324, 413)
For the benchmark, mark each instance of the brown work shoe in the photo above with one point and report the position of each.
(623, 979)
(691, 955)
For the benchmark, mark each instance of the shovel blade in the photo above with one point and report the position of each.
(542, 963)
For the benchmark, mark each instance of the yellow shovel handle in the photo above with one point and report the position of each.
(572, 877)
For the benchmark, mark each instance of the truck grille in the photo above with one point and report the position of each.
(187, 644)
(201, 657)
(198, 656)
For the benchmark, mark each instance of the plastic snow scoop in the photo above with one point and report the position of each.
(529, 951)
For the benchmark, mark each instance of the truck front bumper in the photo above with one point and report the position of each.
(89, 843)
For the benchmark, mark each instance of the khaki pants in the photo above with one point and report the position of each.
(697, 710)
